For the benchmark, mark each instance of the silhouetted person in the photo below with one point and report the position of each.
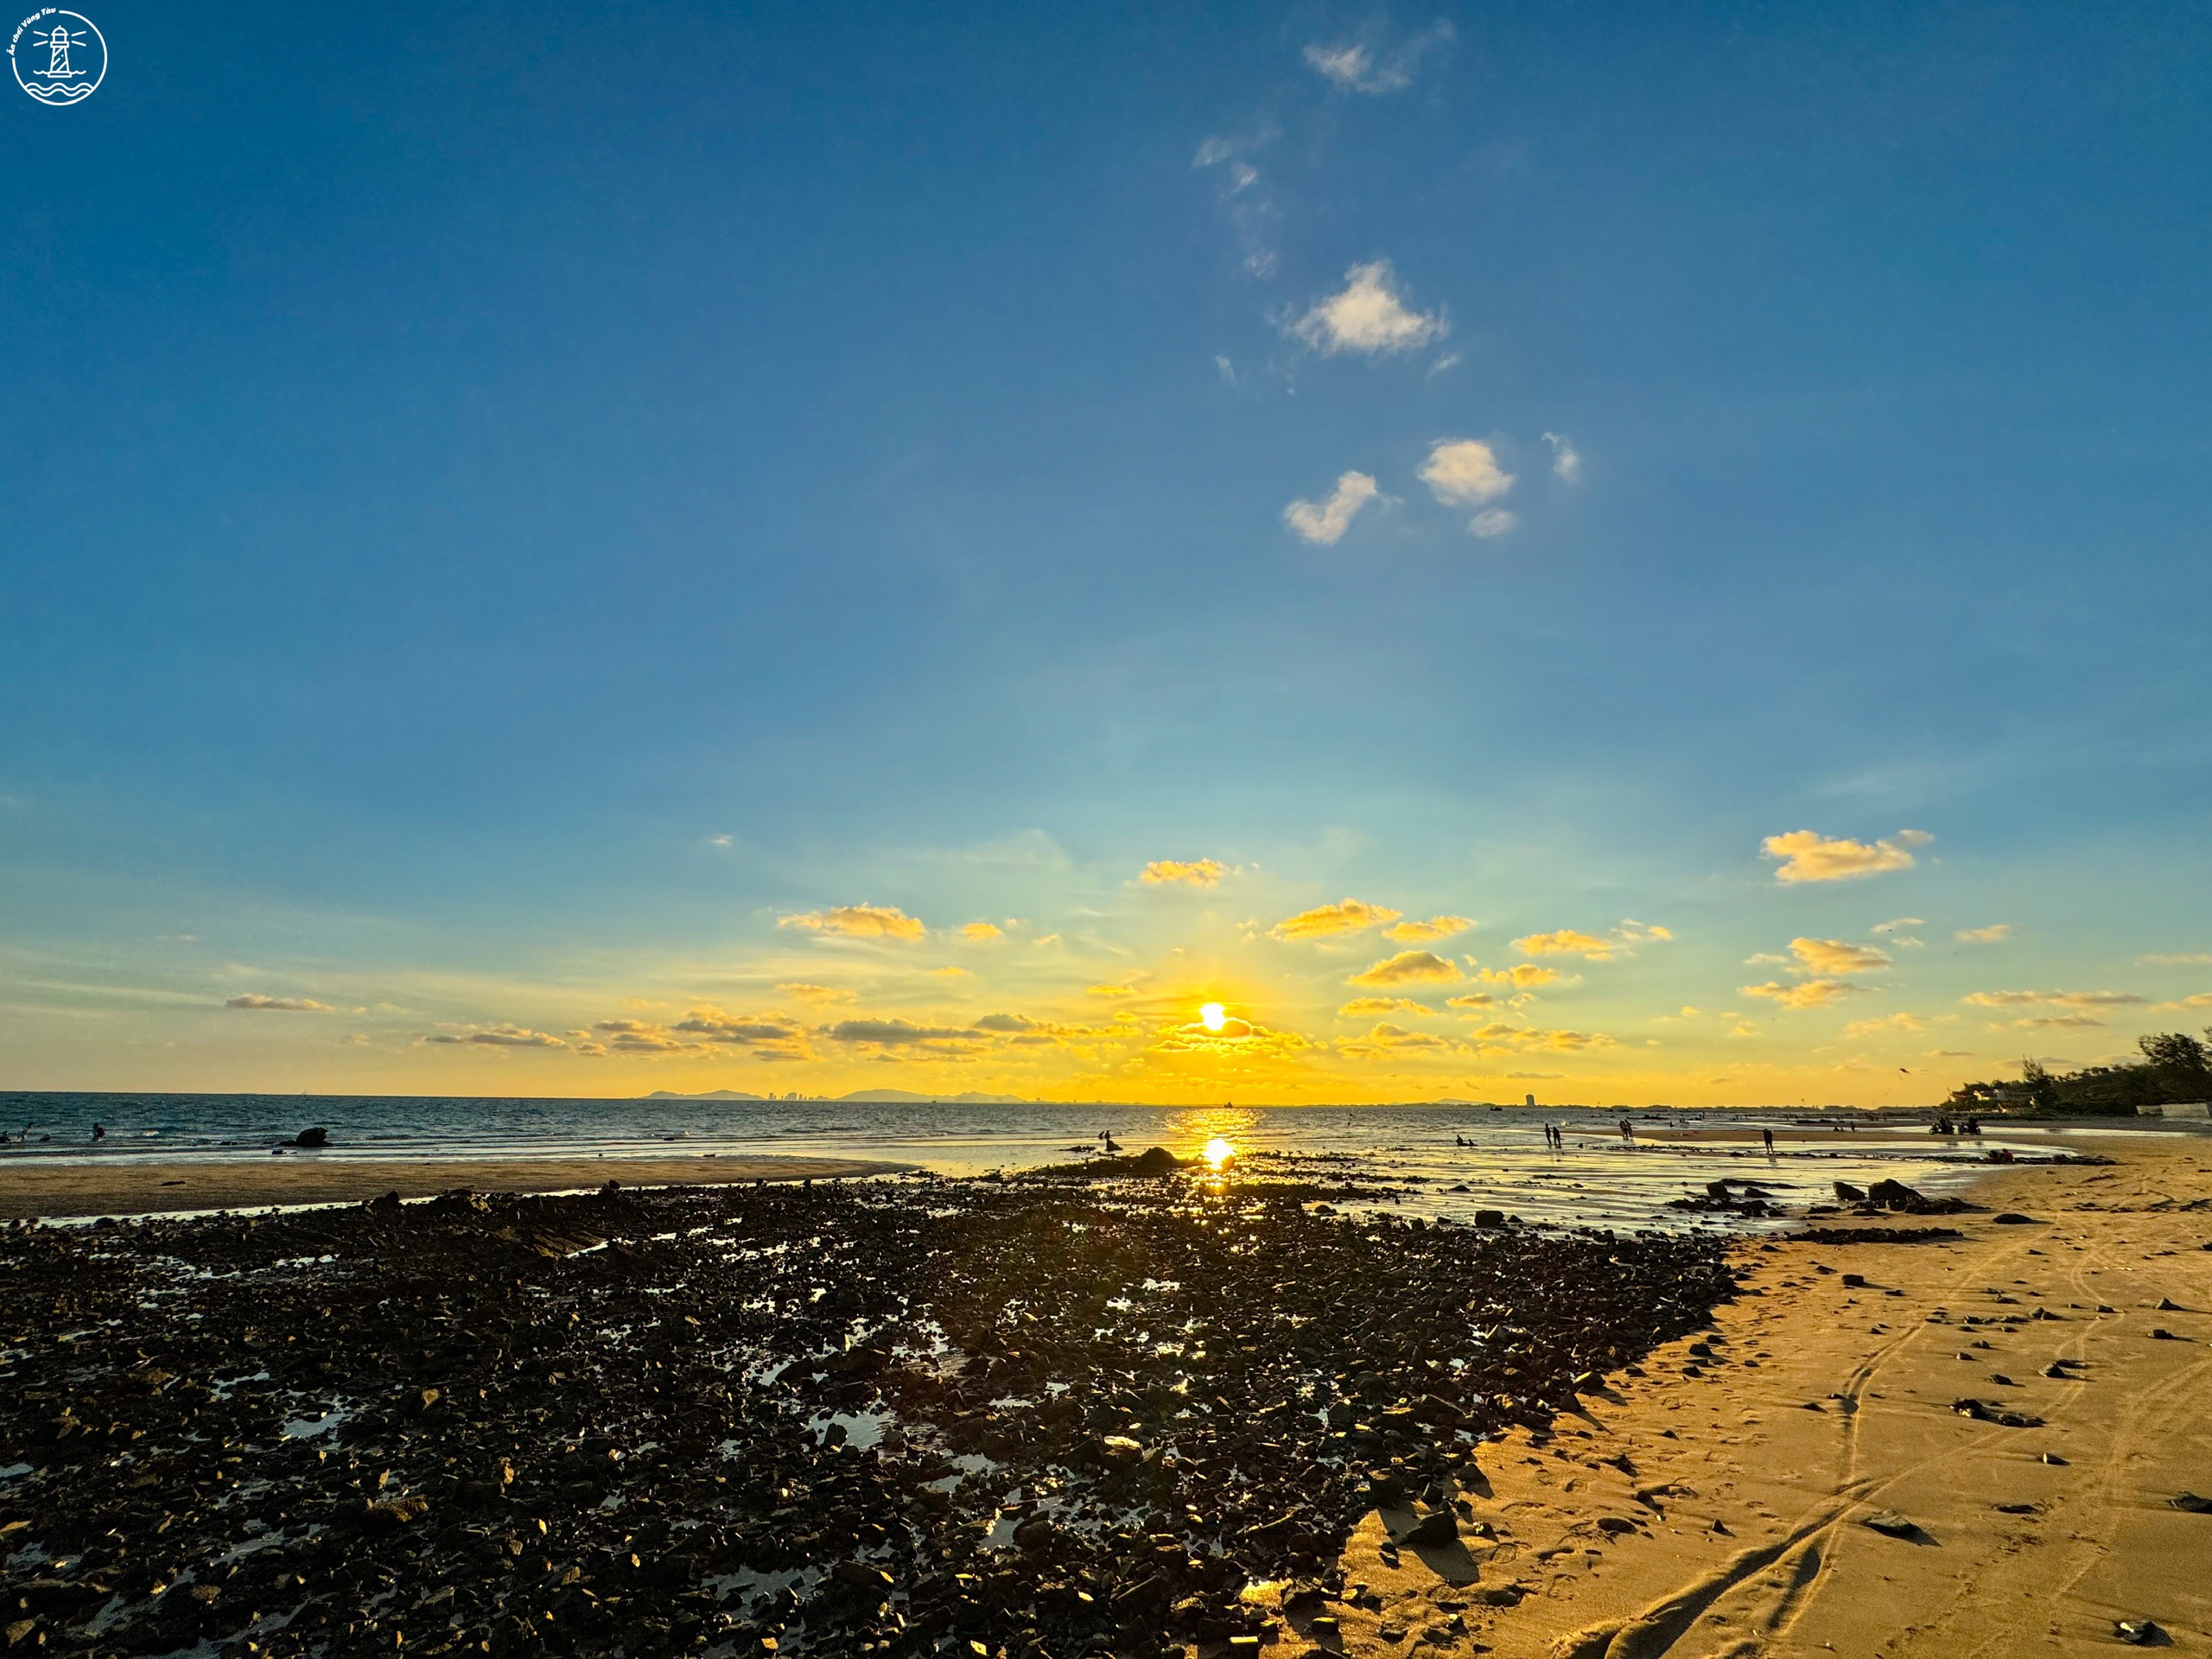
(99, 1133)
(1768, 1134)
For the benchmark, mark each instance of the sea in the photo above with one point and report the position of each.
(1441, 1161)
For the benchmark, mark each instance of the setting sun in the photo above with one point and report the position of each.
(1213, 1016)
(1219, 1151)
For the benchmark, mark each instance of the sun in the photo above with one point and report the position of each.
(1213, 1016)
(1219, 1151)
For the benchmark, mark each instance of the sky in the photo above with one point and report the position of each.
(1615, 553)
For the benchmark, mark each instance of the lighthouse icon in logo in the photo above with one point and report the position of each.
(59, 56)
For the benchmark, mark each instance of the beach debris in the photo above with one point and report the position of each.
(1896, 1195)
(1989, 1411)
(1889, 1523)
(2055, 1460)
(909, 1417)
(2192, 1505)
(2138, 1632)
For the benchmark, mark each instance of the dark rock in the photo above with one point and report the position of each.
(2138, 1632)
(1847, 1194)
(1437, 1527)
(2190, 1503)
(1889, 1523)
(317, 1137)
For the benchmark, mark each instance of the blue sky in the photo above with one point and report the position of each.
(513, 514)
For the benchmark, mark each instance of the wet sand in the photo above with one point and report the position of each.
(30, 1189)
(1717, 1506)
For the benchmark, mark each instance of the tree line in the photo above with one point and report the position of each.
(2175, 1068)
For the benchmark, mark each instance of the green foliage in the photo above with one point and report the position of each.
(2175, 1067)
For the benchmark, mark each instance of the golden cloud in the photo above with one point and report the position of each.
(807, 993)
(1407, 968)
(1837, 956)
(2056, 999)
(1812, 994)
(859, 921)
(1386, 1039)
(1807, 855)
(1471, 1000)
(1363, 1007)
(980, 930)
(1567, 942)
(1113, 990)
(1436, 927)
(1195, 873)
(1521, 975)
(501, 1037)
(1887, 1022)
(1326, 920)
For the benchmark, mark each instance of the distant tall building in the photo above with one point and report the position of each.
(1531, 1100)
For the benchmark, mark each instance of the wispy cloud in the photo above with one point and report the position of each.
(1189, 873)
(1324, 523)
(1407, 968)
(2171, 959)
(1989, 935)
(1372, 68)
(1807, 855)
(1567, 460)
(1326, 921)
(254, 999)
(859, 921)
(1370, 315)
(823, 993)
(1572, 941)
(2055, 999)
(498, 1037)
(1888, 1022)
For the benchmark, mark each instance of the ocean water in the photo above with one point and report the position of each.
(1432, 1160)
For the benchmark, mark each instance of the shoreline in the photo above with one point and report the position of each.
(75, 1191)
(1714, 1498)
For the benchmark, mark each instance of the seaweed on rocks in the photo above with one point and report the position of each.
(901, 1418)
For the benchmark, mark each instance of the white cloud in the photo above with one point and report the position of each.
(1897, 924)
(1324, 522)
(1464, 471)
(1886, 1023)
(1358, 68)
(1567, 460)
(1370, 315)
(2181, 959)
(254, 999)
(1989, 935)
(1807, 855)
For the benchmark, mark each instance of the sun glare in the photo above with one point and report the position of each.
(1219, 1151)
(1213, 1016)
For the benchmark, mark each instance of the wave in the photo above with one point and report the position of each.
(69, 95)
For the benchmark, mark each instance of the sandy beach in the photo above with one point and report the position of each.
(31, 1188)
(1719, 1505)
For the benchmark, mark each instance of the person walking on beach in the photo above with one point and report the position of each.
(1768, 1134)
(1628, 1133)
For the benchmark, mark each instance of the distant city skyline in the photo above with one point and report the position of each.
(1633, 556)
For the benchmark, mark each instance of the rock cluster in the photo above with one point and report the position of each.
(1042, 1418)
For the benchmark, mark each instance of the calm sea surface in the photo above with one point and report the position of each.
(1437, 1160)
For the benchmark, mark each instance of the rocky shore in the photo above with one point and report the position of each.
(1031, 1418)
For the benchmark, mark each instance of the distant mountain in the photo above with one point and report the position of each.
(970, 1099)
(711, 1093)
